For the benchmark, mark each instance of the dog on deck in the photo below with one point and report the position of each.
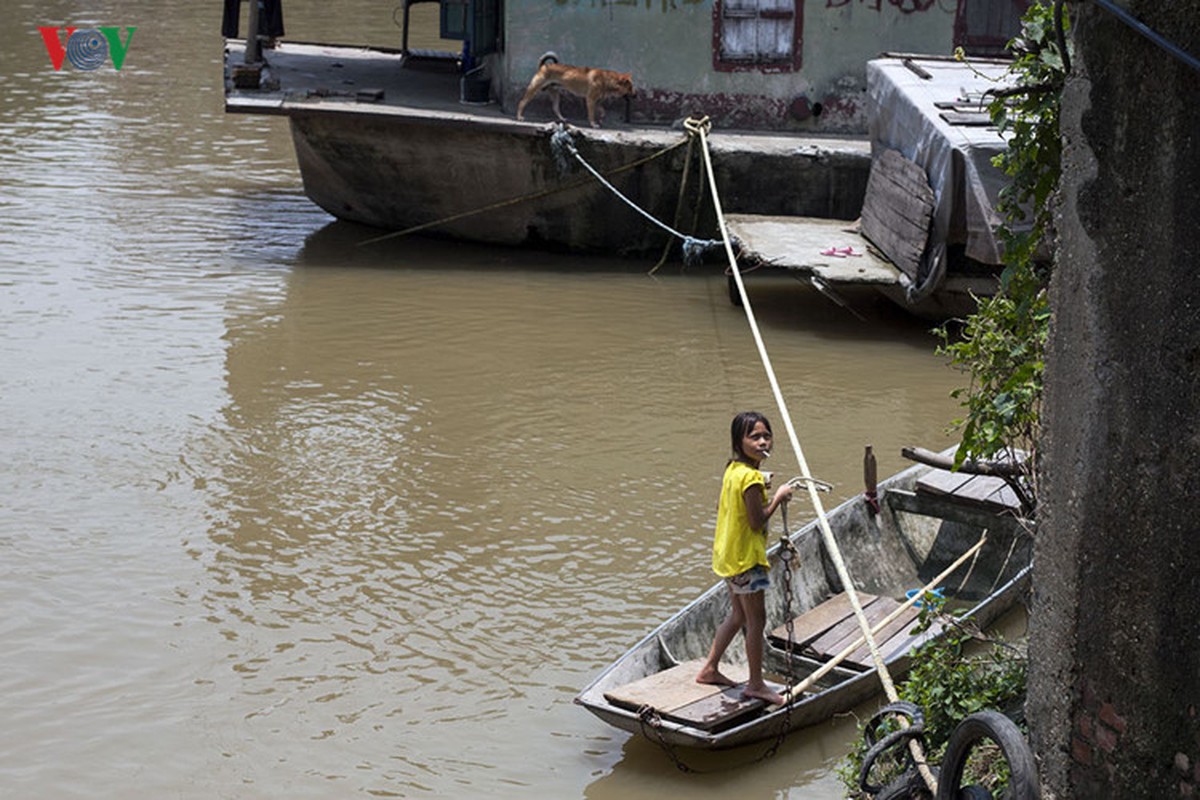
(590, 83)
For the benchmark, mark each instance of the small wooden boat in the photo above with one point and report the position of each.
(927, 519)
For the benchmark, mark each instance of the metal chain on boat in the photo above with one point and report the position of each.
(650, 720)
(789, 558)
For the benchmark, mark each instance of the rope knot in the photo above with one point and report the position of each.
(694, 249)
(694, 125)
(562, 147)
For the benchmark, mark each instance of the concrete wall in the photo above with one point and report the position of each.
(668, 46)
(1114, 693)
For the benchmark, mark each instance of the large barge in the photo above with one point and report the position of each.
(406, 142)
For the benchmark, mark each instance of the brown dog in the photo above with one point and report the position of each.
(591, 83)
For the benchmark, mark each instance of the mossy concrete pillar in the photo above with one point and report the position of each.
(1114, 690)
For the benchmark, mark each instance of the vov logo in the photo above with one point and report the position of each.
(86, 48)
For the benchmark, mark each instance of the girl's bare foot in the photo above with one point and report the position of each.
(765, 693)
(715, 678)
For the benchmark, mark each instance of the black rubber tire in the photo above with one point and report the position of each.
(904, 708)
(909, 786)
(876, 748)
(1023, 783)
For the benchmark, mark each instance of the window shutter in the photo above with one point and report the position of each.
(757, 31)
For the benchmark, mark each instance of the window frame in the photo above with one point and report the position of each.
(791, 63)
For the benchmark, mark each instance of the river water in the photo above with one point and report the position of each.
(285, 516)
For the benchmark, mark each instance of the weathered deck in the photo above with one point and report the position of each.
(676, 696)
(978, 491)
(825, 631)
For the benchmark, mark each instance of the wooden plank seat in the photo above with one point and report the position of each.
(826, 630)
(676, 696)
(983, 485)
(817, 622)
(895, 638)
(846, 632)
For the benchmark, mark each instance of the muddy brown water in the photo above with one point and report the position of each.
(285, 516)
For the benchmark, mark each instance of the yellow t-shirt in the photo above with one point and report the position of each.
(737, 547)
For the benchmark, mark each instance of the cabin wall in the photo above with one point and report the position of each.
(669, 47)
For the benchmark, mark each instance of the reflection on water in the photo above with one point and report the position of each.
(285, 514)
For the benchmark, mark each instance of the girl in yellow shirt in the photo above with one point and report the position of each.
(740, 552)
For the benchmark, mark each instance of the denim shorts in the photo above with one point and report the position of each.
(752, 580)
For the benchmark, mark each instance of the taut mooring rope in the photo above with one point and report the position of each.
(831, 546)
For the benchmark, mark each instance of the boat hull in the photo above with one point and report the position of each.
(503, 182)
(490, 183)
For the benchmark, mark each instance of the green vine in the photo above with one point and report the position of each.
(952, 677)
(1002, 345)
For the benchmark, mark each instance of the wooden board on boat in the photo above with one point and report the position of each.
(895, 638)
(675, 695)
(826, 630)
(842, 635)
(982, 491)
(817, 621)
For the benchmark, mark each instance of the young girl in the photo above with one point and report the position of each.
(740, 552)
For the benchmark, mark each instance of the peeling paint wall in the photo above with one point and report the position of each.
(668, 46)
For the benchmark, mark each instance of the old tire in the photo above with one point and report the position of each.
(974, 793)
(1023, 782)
(909, 786)
(877, 747)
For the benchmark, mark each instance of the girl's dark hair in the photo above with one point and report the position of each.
(743, 423)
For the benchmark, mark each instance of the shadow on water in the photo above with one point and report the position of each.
(342, 243)
(802, 767)
(781, 300)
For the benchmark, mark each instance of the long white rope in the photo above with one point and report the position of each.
(831, 546)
